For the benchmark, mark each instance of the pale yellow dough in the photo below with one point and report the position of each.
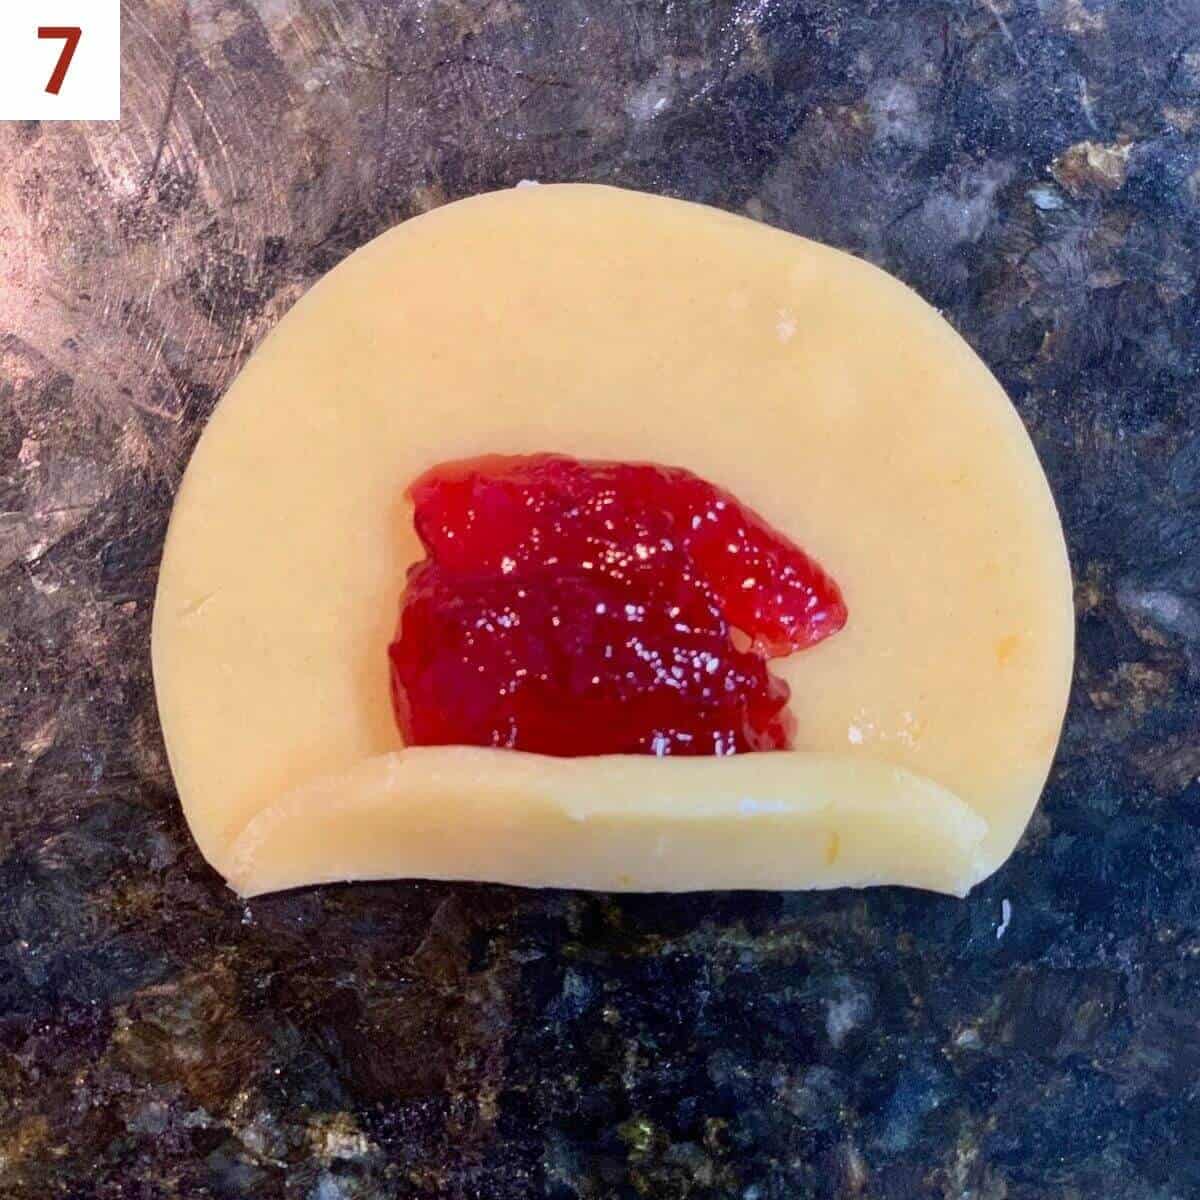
(610, 324)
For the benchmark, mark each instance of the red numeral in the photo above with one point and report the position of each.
(70, 35)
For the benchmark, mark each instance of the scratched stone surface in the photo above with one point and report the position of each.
(1030, 166)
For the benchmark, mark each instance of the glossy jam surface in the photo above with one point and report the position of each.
(574, 608)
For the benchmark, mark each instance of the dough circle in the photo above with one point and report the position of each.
(611, 324)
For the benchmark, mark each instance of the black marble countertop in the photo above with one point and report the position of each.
(1030, 166)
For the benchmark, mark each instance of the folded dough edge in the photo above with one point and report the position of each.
(778, 821)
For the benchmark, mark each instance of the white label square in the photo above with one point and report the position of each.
(60, 60)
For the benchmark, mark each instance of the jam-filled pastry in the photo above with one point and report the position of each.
(569, 536)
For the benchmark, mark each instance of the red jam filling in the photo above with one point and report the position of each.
(573, 608)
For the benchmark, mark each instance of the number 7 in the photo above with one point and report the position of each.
(70, 35)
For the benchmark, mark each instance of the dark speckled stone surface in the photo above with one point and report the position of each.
(1032, 167)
